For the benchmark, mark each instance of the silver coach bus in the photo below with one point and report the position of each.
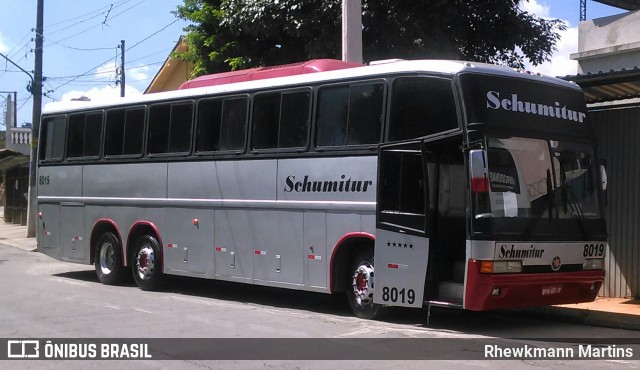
(469, 185)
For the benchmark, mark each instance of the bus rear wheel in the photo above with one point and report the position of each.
(146, 264)
(360, 289)
(108, 259)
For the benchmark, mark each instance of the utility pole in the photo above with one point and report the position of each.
(11, 110)
(352, 31)
(36, 90)
(122, 80)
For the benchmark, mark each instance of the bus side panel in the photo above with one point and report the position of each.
(315, 255)
(245, 180)
(124, 193)
(233, 245)
(74, 242)
(135, 181)
(340, 224)
(49, 231)
(59, 200)
(188, 241)
(194, 180)
(68, 184)
(278, 242)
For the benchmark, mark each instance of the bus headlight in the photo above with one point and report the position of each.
(500, 267)
(593, 264)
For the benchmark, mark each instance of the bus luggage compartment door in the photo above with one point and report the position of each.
(49, 230)
(74, 244)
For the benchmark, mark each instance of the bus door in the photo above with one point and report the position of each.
(402, 235)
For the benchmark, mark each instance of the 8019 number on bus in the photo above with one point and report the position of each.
(398, 296)
(593, 250)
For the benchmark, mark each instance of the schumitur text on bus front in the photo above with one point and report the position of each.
(515, 105)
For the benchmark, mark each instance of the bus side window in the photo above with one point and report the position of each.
(420, 107)
(266, 117)
(365, 114)
(333, 110)
(280, 120)
(170, 128)
(209, 121)
(349, 115)
(53, 130)
(294, 120)
(84, 135)
(124, 132)
(233, 126)
(114, 132)
(133, 131)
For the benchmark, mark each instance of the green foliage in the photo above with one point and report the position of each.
(3, 139)
(234, 34)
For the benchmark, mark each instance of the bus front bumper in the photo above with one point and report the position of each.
(500, 291)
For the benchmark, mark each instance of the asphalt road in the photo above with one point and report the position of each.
(44, 298)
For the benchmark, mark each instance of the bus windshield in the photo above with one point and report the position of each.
(544, 182)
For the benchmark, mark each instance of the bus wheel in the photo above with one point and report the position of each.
(108, 259)
(146, 264)
(360, 291)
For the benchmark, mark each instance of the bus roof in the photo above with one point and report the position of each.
(261, 73)
(284, 76)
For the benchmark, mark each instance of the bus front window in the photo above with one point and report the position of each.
(533, 182)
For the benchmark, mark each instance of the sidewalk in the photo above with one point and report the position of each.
(619, 313)
(15, 235)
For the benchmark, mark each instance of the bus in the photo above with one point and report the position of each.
(400, 183)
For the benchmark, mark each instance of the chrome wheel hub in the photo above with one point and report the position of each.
(107, 258)
(362, 284)
(145, 262)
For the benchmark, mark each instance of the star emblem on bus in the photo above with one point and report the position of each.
(400, 245)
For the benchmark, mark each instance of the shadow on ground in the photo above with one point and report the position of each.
(495, 323)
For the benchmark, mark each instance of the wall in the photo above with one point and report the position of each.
(609, 43)
(618, 132)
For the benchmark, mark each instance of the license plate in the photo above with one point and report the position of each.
(551, 290)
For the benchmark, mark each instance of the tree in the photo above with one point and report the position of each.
(231, 34)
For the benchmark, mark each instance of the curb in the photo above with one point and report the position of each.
(615, 320)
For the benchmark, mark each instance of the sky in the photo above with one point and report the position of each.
(81, 40)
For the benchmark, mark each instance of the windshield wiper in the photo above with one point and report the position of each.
(571, 202)
(550, 207)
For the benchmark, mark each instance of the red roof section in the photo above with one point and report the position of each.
(261, 73)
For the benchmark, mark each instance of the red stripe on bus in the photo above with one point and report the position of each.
(340, 242)
(115, 227)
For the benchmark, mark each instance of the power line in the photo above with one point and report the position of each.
(79, 49)
(91, 15)
(25, 102)
(100, 10)
(92, 26)
(151, 35)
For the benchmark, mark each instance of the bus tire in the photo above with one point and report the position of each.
(107, 259)
(146, 264)
(360, 288)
